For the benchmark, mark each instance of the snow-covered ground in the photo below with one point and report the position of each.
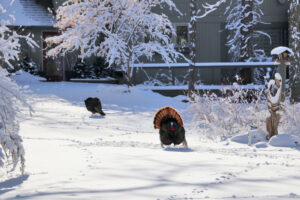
(71, 154)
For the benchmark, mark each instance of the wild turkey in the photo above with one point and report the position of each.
(170, 125)
(94, 105)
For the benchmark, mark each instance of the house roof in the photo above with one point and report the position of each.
(26, 13)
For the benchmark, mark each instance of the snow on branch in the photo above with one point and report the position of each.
(209, 8)
(10, 40)
(11, 148)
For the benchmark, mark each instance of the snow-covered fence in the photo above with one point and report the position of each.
(208, 73)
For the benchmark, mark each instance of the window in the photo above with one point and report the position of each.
(182, 35)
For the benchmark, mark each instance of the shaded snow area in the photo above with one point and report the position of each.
(73, 155)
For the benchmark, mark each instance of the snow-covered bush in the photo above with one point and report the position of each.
(115, 30)
(28, 65)
(290, 119)
(223, 116)
(262, 75)
(233, 112)
(98, 69)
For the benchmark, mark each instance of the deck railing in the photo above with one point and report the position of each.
(208, 73)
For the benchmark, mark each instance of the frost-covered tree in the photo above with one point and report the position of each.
(242, 17)
(122, 31)
(294, 30)
(11, 148)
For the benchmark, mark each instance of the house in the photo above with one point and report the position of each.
(210, 45)
(38, 21)
(31, 18)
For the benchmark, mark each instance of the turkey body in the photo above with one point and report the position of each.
(94, 105)
(170, 125)
(171, 132)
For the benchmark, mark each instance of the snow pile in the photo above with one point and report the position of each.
(258, 139)
(285, 140)
(252, 137)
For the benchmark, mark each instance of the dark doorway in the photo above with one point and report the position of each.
(52, 67)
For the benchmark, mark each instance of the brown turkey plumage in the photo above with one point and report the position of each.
(170, 125)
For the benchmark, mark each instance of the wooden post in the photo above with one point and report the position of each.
(274, 105)
(283, 55)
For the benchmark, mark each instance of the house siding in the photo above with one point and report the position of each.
(211, 33)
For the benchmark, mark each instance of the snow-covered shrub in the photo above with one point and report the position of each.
(81, 69)
(28, 65)
(220, 117)
(96, 70)
(262, 75)
(233, 112)
(100, 68)
(160, 78)
(290, 119)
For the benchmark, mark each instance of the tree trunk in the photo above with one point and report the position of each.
(274, 106)
(294, 31)
(272, 123)
(246, 50)
(192, 36)
(128, 75)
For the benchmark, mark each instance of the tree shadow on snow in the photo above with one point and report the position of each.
(8, 185)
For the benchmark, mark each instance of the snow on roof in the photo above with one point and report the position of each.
(281, 49)
(26, 13)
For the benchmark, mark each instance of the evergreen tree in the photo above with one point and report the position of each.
(242, 18)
